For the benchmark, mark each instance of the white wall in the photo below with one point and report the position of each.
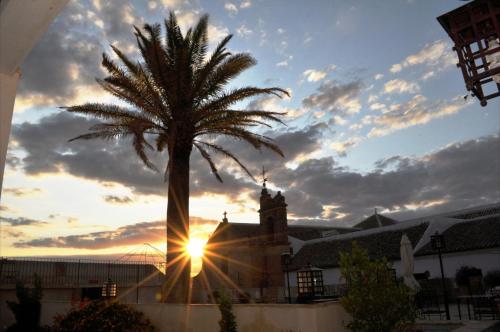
(8, 86)
(324, 317)
(486, 260)
(249, 317)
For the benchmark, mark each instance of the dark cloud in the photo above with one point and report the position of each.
(8, 233)
(68, 56)
(130, 235)
(457, 176)
(71, 43)
(12, 161)
(21, 221)
(48, 150)
(333, 96)
(118, 199)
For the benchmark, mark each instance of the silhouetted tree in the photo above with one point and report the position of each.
(27, 310)
(176, 95)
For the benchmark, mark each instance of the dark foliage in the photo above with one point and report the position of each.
(492, 279)
(463, 275)
(27, 309)
(375, 301)
(227, 322)
(99, 316)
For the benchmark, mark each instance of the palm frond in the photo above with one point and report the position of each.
(207, 157)
(221, 150)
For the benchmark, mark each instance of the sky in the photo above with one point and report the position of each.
(375, 119)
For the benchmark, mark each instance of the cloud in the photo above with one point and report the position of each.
(438, 55)
(47, 71)
(400, 86)
(335, 97)
(377, 106)
(243, 31)
(283, 63)
(378, 76)
(216, 33)
(231, 8)
(48, 151)
(245, 4)
(20, 192)
(341, 147)
(21, 221)
(130, 235)
(458, 176)
(313, 75)
(118, 199)
(416, 111)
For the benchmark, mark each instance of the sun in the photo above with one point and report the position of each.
(195, 248)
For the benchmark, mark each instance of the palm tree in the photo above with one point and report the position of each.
(176, 96)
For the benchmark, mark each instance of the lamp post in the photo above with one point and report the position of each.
(285, 261)
(310, 284)
(109, 289)
(437, 243)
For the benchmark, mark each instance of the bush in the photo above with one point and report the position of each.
(463, 275)
(227, 322)
(375, 301)
(27, 310)
(100, 316)
(492, 279)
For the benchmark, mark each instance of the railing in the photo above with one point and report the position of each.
(58, 272)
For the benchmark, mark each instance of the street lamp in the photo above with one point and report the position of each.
(109, 289)
(310, 283)
(285, 262)
(474, 29)
(438, 243)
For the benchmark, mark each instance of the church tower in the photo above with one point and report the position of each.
(273, 219)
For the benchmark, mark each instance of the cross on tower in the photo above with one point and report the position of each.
(264, 179)
(225, 214)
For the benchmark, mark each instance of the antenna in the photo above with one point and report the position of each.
(264, 179)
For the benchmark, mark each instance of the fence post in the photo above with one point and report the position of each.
(137, 283)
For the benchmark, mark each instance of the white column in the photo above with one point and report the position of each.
(8, 85)
(22, 23)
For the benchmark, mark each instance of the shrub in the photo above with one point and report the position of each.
(227, 322)
(492, 279)
(375, 301)
(100, 316)
(27, 310)
(463, 274)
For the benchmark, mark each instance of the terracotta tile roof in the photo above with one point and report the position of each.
(381, 244)
(237, 231)
(471, 235)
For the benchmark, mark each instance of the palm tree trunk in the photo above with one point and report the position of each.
(178, 272)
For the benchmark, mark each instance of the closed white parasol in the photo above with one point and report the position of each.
(407, 263)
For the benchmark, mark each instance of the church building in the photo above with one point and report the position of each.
(246, 259)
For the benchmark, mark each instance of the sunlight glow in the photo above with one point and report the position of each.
(195, 248)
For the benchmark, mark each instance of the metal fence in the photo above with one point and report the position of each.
(58, 272)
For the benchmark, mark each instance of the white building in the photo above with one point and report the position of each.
(472, 238)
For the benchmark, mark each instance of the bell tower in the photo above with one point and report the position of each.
(273, 219)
